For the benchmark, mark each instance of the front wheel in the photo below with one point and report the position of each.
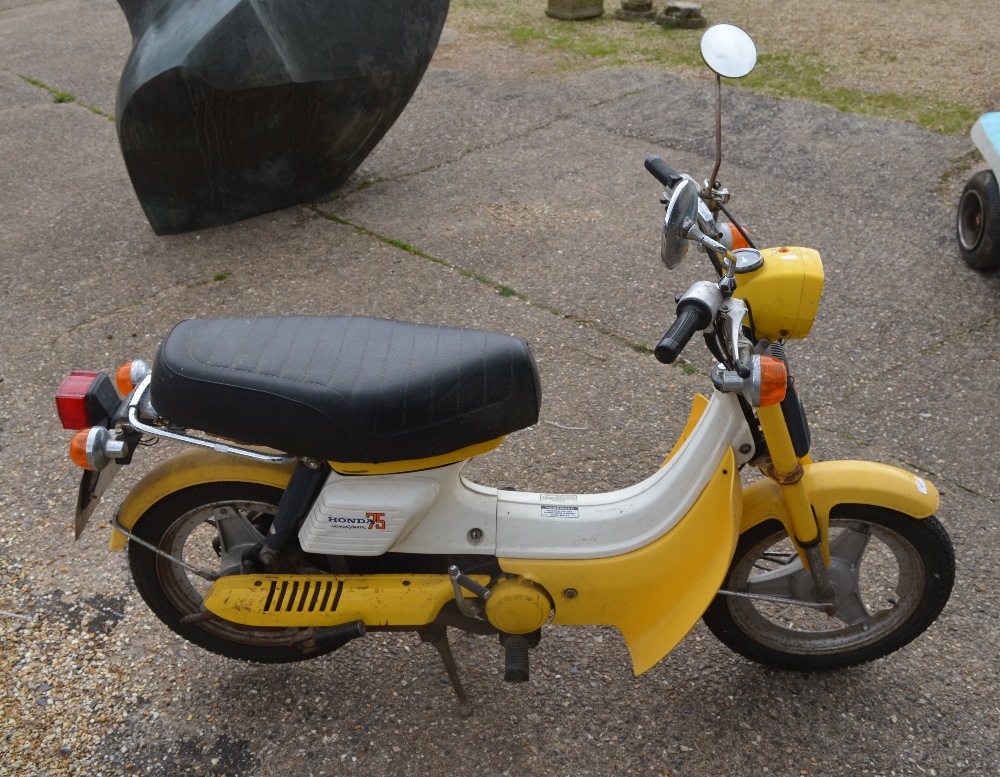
(892, 575)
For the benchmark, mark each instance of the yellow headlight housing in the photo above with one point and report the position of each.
(783, 294)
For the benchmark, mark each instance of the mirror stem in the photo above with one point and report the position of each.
(712, 183)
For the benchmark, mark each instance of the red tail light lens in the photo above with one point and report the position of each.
(71, 399)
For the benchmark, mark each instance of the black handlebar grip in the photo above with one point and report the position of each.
(662, 172)
(692, 316)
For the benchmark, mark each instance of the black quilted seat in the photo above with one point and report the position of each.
(345, 388)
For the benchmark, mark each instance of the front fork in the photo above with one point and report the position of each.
(811, 534)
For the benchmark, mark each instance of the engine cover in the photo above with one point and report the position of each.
(518, 606)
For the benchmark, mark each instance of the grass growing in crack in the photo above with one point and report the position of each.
(219, 276)
(59, 96)
(476, 277)
(501, 289)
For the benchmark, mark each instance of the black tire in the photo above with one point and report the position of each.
(902, 575)
(182, 525)
(978, 223)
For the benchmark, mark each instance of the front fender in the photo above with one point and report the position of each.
(832, 483)
(193, 467)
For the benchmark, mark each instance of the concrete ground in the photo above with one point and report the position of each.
(530, 212)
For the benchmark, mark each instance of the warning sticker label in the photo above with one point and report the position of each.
(563, 498)
(560, 511)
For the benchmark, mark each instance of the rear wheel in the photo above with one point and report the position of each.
(208, 526)
(978, 224)
(892, 575)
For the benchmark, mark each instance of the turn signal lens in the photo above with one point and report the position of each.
(773, 380)
(123, 378)
(130, 375)
(78, 449)
(731, 237)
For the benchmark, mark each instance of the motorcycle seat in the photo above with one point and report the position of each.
(345, 388)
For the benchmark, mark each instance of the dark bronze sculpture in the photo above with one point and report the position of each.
(231, 108)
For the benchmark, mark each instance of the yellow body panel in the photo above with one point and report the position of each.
(328, 600)
(193, 467)
(653, 595)
(415, 465)
(698, 406)
(832, 483)
(784, 293)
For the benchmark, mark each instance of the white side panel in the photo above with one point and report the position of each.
(437, 511)
(600, 525)
(462, 512)
(365, 516)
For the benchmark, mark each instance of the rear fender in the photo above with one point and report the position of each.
(832, 483)
(193, 467)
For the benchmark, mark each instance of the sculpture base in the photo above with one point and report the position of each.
(572, 10)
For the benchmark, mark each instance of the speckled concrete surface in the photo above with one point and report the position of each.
(537, 185)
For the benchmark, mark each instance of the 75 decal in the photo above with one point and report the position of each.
(376, 521)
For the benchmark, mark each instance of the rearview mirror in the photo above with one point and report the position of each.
(728, 50)
(680, 216)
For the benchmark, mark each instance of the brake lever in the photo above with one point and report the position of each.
(735, 310)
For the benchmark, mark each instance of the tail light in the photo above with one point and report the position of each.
(71, 399)
(86, 399)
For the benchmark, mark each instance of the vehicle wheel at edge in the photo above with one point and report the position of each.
(978, 223)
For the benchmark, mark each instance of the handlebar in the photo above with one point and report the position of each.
(696, 310)
(693, 315)
(662, 172)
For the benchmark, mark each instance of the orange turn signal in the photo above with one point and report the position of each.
(732, 237)
(78, 448)
(773, 380)
(130, 375)
(123, 378)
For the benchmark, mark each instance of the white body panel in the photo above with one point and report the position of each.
(436, 511)
(350, 517)
(599, 525)
(986, 136)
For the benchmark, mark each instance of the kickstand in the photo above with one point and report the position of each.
(437, 635)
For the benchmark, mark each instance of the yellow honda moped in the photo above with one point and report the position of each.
(322, 495)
